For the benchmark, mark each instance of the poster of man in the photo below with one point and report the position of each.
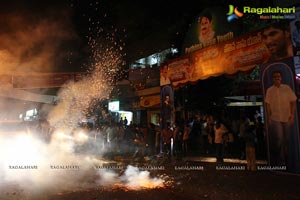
(206, 29)
(282, 124)
(167, 106)
(277, 38)
(210, 28)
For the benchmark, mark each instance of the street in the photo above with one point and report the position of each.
(183, 180)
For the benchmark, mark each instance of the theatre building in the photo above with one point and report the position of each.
(227, 71)
(224, 66)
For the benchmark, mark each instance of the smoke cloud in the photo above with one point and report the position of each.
(30, 166)
(34, 43)
(33, 40)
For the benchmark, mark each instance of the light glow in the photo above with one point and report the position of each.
(114, 106)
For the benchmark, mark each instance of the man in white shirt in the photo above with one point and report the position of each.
(281, 106)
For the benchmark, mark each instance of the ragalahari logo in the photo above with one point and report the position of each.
(233, 13)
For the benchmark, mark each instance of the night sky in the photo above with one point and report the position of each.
(56, 35)
(65, 27)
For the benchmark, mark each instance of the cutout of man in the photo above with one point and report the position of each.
(280, 107)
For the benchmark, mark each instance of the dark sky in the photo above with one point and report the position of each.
(55, 35)
(144, 26)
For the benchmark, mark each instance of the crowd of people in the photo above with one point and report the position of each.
(218, 135)
(202, 135)
(221, 135)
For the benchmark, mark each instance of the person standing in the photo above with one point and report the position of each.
(220, 131)
(280, 106)
(167, 111)
(125, 121)
(185, 139)
(211, 133)
(177, 136)
(204, 134)
(167, 134)
(256, 116)
(152, 138)
(250, 139)
(244, 127)
(260, 135)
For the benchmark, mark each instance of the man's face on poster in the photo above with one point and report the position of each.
(167, 98)
(205, 26)
(275, 40)
(276, 78)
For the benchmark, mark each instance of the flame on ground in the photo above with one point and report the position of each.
(132, 179)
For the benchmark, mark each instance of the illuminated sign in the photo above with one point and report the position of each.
(114, 106)
(264, 13)
(269, 9)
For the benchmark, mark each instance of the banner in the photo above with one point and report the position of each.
(150, 101)
(240, 54)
